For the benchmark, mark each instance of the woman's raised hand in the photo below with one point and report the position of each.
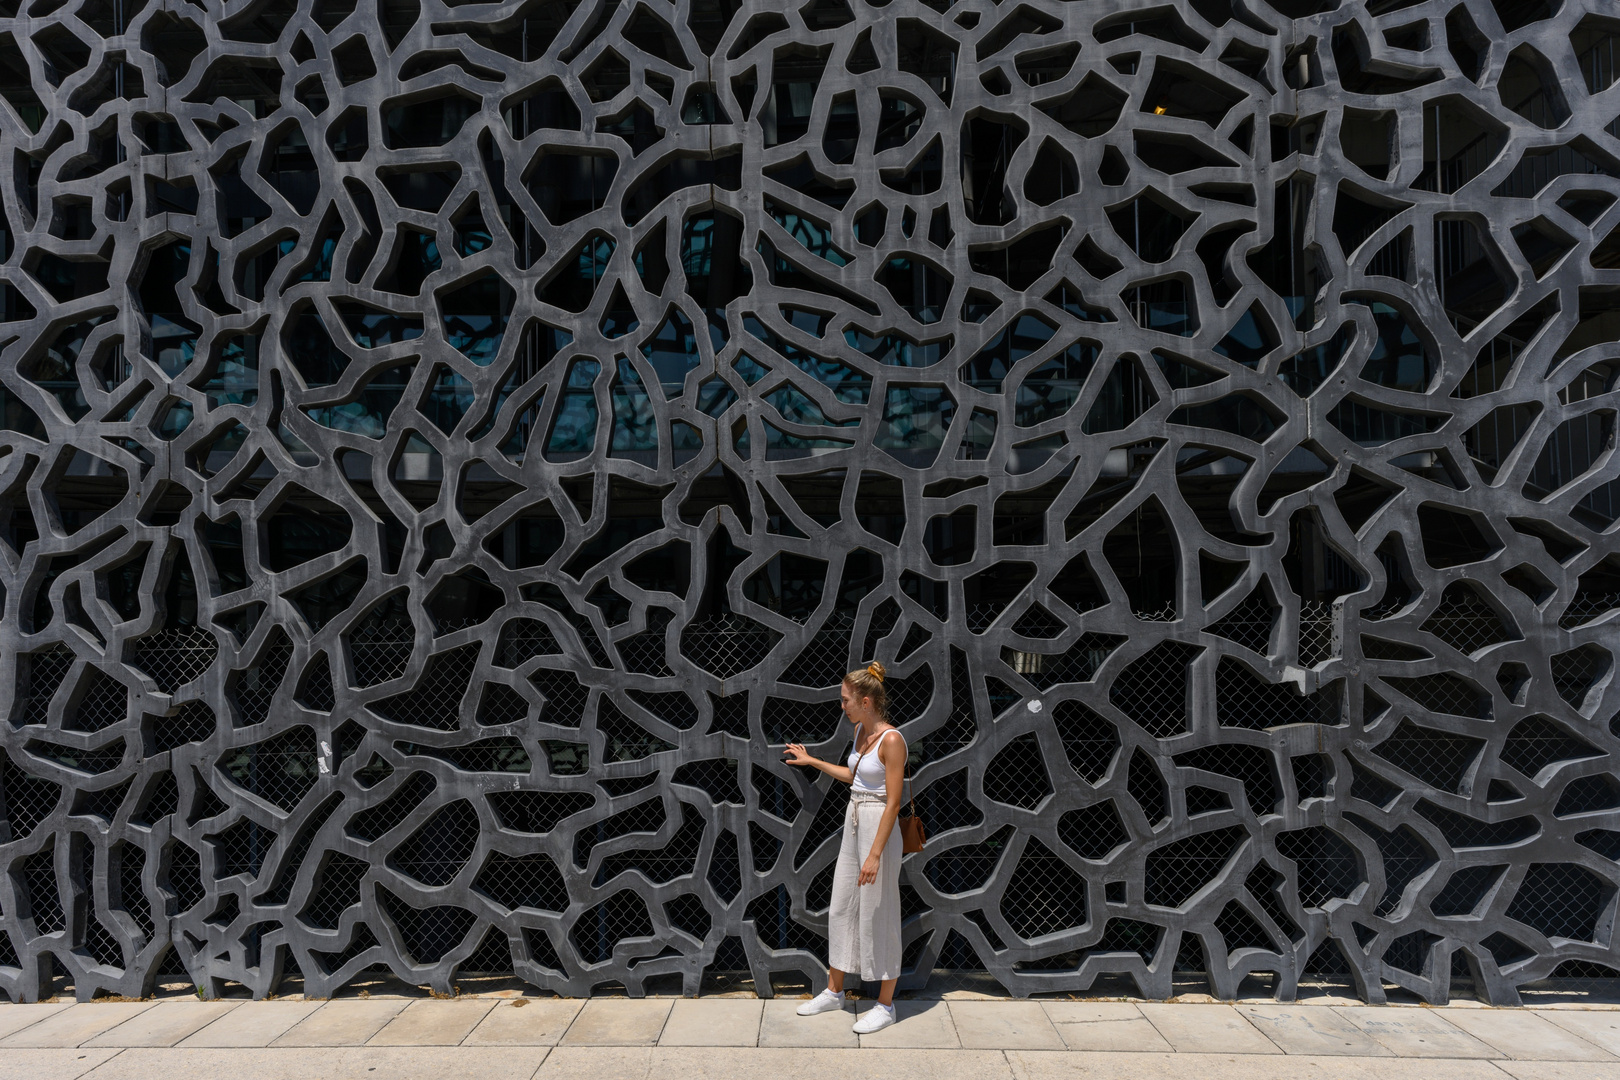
(798, 755)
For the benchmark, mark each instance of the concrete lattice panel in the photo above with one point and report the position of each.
(449, 448)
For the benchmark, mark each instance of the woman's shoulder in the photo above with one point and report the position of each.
(883, 736)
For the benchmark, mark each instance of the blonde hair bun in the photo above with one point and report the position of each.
(867, 682)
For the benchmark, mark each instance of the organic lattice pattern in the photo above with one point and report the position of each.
(446, 449)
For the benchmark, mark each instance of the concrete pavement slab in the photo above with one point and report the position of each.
(1206, 1029)
(619, 1022)
(344, 1022)
(432, 1023)
(1104, 1025)
(1414, 1033)
(782, 1026)
(1004, 1025)
(1047, 1065)
(65, 1064)
(1599, 1027)
(1314, 1031)
(252, 1023)
(326, 1063)
(921, 1025)
(713, 1022)
(1135, 1036)
(13, 1018)
(1560, 1070)
(164, 1024)
(1090, 1012)
(525, 1022)
(597, 1063)
(1526, 1036)
(729, 1063)
(78, 1024)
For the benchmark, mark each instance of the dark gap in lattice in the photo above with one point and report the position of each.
(522, 881)
(541, 950)
(676, 858)
(1152, 689)
(967, 867)
(1078, 663)
(103, 704)
(492, 957)
(501, 754)
(373, 822)
(1326, 864)
(500, 704)
(293, 859)
(1240, 930)
(647, 816)
(1463, 831)
(1250, 622)
(1016, 776)
(1437, 758)
(564, 697)
(1089, 741)
(1536, 742)
(601, 928)
(1575, 672)
(944, 804)
(1244, 700)
(687, 913)
(1410, 952)
(1465, 890)
(192, 722)
(359, 942)
(1044, 895)
(1145, 784)
(537, 811)
(1256, 768)
(254, 688)
(1404, 854)
(280, 770)
(910, 695)
(1588, 794)
(1467, 622)
(772, 915)
(674, 707)
(1444, 692)
(716, 776)
(623, 739)
(335, 888)
(1561, 900)
(436, 699)
(828, 821)
(725, 867)
(426, 933)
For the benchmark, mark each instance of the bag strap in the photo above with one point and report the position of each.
(906, 780)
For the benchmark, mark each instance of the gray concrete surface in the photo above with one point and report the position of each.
(503, 1037)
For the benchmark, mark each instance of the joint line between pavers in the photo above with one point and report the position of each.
(115, 1055)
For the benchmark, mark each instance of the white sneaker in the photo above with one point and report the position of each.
(876, 1018)
(826, 1001)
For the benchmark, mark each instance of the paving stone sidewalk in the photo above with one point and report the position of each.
(507, 1038)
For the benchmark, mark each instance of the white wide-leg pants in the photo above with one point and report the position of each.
(863, 922)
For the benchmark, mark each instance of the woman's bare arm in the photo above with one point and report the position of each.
(892, 752)
(798, 755)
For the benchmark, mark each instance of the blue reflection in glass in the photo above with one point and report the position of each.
(573, 429)
(635, 424)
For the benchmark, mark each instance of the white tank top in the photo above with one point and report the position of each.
(868, 771)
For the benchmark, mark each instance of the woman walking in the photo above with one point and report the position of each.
(863, 921)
